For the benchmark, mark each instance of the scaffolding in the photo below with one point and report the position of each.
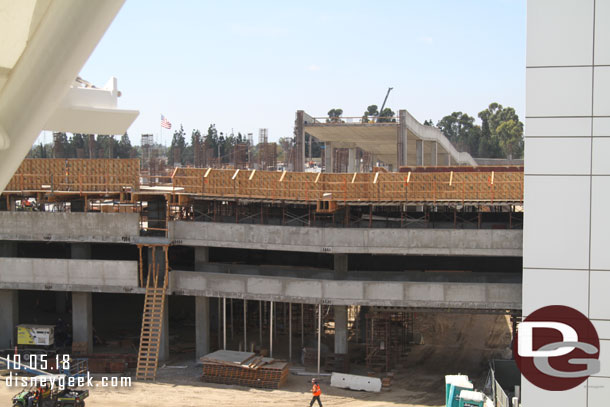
(386, 339)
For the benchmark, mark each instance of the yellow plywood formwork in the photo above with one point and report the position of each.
(494, 185)
(76, 175)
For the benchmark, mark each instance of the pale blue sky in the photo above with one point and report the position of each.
(247, 65)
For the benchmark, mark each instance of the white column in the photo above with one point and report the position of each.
(340, 312)
(202, 326)
(351, 160)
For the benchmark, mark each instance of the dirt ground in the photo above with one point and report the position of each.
(452, 343)
(170, 390)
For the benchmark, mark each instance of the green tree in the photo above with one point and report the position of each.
(211, 139)
(459, 128)
(77, 145)
(107, 146)
(175, 154)
(386, 116)
(334, 115)
(505, 130)
(195, 155)
(61, 145)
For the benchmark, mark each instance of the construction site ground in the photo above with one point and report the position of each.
(452, 343)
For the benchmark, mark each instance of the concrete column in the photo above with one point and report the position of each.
(435, 154)
(340, 266)
(202, 308)
(8, 248)
(164, 344)
(419, 152)
(202, 256)
(9, 317)
(351, 161)
(329, 156)
(202, 326)
(80, 251)
(82, 319)
(402, 139)
(299, 131)
(340, 312)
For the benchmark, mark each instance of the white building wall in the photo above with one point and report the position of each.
(566, 247)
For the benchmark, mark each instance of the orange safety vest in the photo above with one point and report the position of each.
(316, 390)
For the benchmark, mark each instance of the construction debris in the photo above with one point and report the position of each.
(244, 369)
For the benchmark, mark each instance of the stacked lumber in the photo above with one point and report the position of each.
(244, 369)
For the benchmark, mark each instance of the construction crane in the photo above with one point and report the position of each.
(384, 100)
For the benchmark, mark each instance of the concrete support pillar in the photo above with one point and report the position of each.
(82, 319)
(329, 157)
(202, 308)
(340, 266)
(8, 248)
(419, 152)
(351, 161)
(80, 251)
(299, 132)
(202, 256)
(202, 326)
(164, 344)
(9, 317)
(340, 312)
(60, 302)
(435, 154)
(401, 135)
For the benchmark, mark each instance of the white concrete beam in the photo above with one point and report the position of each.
(53, 56)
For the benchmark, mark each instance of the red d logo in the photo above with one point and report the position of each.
(557, 348)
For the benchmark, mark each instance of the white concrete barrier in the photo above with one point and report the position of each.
(353, 382)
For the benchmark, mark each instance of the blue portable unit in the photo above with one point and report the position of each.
(468, 398)
(454, 384)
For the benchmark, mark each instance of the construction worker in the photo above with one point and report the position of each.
(315, 389)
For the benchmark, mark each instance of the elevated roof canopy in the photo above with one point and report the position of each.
(382, 139)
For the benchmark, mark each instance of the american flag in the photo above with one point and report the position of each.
(165, 123)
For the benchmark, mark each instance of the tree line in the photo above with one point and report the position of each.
(213, 145)
(85, 146)
(500, 134)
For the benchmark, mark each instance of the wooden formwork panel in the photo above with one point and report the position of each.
(113, 175)
(414, 187)
(79, 175)
(190, 179)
